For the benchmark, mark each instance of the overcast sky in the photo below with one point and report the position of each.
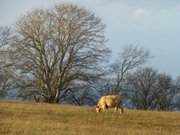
(153, 24)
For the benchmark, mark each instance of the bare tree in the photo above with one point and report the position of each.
(164, 92)
(6, 80)
(177, 96)
(142, 88)
(130, 58)
(85, 96)
(167, 93)
(59, 51)
(149, 89)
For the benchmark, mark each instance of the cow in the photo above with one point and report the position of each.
(110, 101)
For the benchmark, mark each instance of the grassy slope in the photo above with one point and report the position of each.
(20, 118)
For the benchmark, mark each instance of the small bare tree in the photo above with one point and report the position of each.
(166, 92)
(142, 88)
(130, 58)
(149, 89)
(177, 96)
(59, 51)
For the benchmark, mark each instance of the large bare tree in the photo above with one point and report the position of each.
(6, 80)
(60, 51)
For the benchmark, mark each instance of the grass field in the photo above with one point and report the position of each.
(22, 118)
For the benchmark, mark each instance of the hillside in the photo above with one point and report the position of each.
(22, 118)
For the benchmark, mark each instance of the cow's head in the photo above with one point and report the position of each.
(98, 109)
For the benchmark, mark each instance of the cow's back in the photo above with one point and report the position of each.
(112, 101)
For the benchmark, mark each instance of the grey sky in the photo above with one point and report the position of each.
(154, 24)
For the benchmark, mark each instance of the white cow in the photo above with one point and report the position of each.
(109, 101)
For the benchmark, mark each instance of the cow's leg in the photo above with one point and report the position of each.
(116, 108)
(104, 108)
(121, 110)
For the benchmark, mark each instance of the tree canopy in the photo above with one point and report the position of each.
(59, 51)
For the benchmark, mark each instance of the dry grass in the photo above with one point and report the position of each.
(21, 118)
